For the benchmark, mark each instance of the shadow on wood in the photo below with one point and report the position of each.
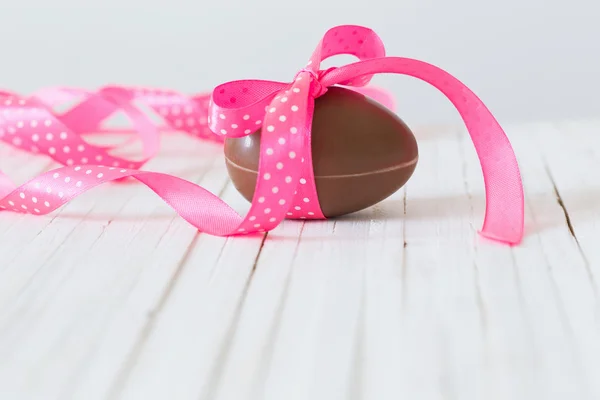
(543, 212)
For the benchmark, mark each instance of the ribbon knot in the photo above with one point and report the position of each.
(317, 87)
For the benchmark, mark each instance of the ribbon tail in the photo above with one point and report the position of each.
(51, 190)
(504, 214)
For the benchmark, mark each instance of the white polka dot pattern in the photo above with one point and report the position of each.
(32, 127)
(286, 186)
(180, 112)
(177, 111)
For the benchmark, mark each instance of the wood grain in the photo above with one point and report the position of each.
(116, 297)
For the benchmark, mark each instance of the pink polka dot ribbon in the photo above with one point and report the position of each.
(285, 186)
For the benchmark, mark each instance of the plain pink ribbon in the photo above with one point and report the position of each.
(285, 184)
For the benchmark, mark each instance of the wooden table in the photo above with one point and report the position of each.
(116, 297)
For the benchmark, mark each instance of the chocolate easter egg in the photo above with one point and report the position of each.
(362, 153)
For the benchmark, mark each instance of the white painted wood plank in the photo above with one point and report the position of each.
(129, 303)
(507, 340)
(64, 297)
(182, 350)
(247, 360)
(440, 323)
(574, 264)
(545, 269)
(310, 336)
(157, 261)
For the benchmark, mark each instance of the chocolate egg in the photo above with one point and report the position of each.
(362, 153)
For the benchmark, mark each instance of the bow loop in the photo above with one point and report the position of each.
(237, 108)
(360, 42)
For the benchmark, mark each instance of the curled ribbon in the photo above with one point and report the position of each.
(285, 186)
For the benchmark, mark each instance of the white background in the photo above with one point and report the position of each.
(527, 59)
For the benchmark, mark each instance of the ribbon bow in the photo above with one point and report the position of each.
(283, 111)
(285, 180)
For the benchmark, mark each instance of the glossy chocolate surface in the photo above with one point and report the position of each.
(362, 153)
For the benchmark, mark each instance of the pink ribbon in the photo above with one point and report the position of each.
(285, 186)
